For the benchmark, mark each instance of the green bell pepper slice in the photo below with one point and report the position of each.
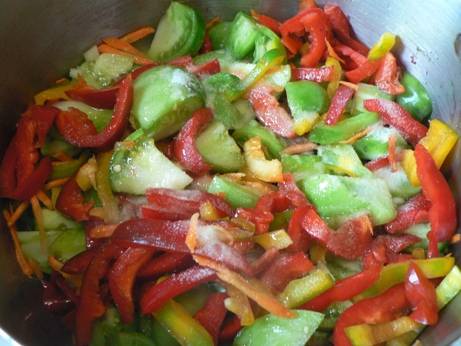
(299, 291)
(277, 331)
(303, 166)
(68, 168)
(366, 92)
(266, 41)
(394, 274)
(415, 99)
(342, 159)
(183, 326)
(219, 34)
(343, 130)
(236, 194)
(242, 36)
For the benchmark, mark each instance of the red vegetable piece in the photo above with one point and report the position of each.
(212, 315)
(293, 44)
(121, 279)
(71, 202)
(386, 248)
(155, 296)
(81, 261)
(348, 53)
(387, 76)
(91, 305)
(296, 231)
(159, 234)
(35, 181)
(78, 130)
(362, 72)
(316, 227)
(338, 104)
(184, 146)
(270, 113)
(230, 329)
(394, 114)
(379, 309)
(414, 211)
(165, 263)
(206, 69)
(287, 268)
(345, 289)
(43, 118)
(207, 44)
(442, 213)
(420, 292)
(267, 21)
(315, 74)
(378, 163)
(263, 262)
(98, 98)
(290, 190)
(163, 213)
(316, 25)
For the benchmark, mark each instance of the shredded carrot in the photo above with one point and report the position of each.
(36, 268)
(55, 183)
(17, 213)
(20, 257)
(102, 231)
(46, 201)
(191, 238)
(355, 137)
(138, 34)
(39, 220)
(252, 288)
(104, 48)
(332, 53)
(300, 148)
(392, 150)
(350, 85)
(123, 46)
(212, 22)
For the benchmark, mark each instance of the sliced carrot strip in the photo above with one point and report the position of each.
(46, 201)
(56, 183)
(355, 137)
(138, 34)
(212, 22)
(104, 48)
(102, 231)
(392, 150)
(123, 46)
(17, 213)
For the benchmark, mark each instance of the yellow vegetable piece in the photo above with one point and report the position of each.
(382, 47)
(276, 239)
(338, 72)
(56, 93)
(239, 304)
(439, 141)
(269, 171)
(303, 126)
(104, 190)
(86, 175)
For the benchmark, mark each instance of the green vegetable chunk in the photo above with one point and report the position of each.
(242, 36)
(366, 92)
(276, 331)
(164, 98)
(415, 99)
(180, 32)
(236, 194)
(342, 159)
(99, 117)
(136, 168)
(303, 166)
(219, 149)
(219, 34)
(397, 182)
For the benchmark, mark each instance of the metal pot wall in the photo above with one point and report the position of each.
(41, 39)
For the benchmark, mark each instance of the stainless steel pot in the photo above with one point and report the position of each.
(41, 39)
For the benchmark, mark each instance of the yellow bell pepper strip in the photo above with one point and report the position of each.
(384, 45)
(55, 93)
(276, 239)
(369, 335)
(239, 304)
(394, 274)
(109, 203)
(337, 75)
(186, 330)
(299, 291)
(439, 141)
(266, 170)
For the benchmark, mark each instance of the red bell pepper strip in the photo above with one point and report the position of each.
(81, 261)
(382, 308)
(362, 72)
(263, 262)
(296, 231)
(72, 203)
(161, 213)
(338, 104)
(165, 263)
(347, 52)
(206, 69)
(293, 44)
(155, 296)
(288, 267)
(345, 289)
(270, 113)
(394, 114)
(387, 76)
(230, 329)
(159, 234)
(415, 211)
(121, 279)
(421, 294)
(342, 29)
(386, 249)
(91, 305)
(184, 145)
(377, 163)
(442, 213)
(314, 225)
(212, 315)
(189, 200)
(57, 296)
(267, 21)
(78, 130)
(319, 75)
(207, 45)
(315, 23)
(20, 177)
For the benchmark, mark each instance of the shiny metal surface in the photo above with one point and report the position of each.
(41, 39)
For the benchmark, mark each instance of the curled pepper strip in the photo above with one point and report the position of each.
(387, 76)
(78, 130)
(413, 212)
(72, 203)
(338, 104)
(442, 213)
(184, 145)
(211, 316)
(315, 23)
(267, 21)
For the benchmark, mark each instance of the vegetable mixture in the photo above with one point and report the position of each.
(245, 182)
